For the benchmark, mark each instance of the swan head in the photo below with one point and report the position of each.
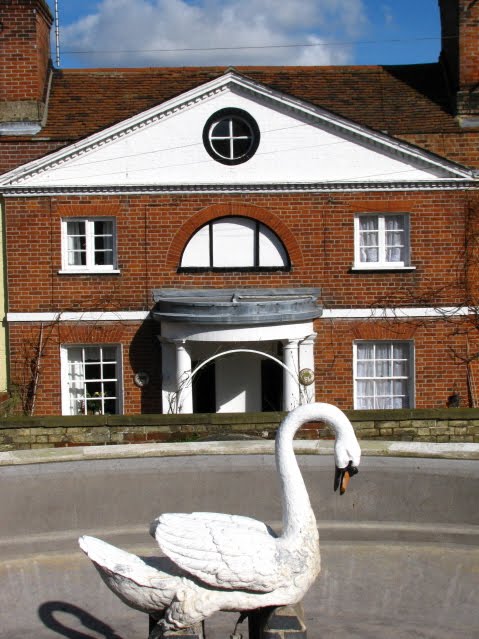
(347, 454)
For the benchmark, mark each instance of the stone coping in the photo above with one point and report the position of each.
(451, 450)
(92, 421)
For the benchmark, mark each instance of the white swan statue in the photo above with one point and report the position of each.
(227, 562)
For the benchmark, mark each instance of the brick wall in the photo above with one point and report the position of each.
(453, 425)
(15, 152)
(317, 230)
(460, 147)
(24, 49)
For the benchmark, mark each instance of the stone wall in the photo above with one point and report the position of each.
(16, 433)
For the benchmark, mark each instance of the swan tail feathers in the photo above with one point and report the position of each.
(146, 584)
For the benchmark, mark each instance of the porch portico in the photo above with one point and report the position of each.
(236, 350)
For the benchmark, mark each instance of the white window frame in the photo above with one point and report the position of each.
(411, 379)
(65, 388)
(382, 263)
(206, 256)
(90, 266)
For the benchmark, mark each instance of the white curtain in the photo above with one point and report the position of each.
(369, 238)
(382, 372)
(76, 243)
(394, 228)
(76, 381)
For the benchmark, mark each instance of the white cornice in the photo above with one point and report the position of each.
(146, 189)
(395, 313)
(328, 313)
(80, 316)
(244, 86)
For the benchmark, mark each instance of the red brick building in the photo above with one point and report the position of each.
(212, 239)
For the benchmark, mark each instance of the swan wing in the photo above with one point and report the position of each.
(224, 551)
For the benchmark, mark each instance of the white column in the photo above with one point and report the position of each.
(291, 397)
(184, 388)
(306, 360)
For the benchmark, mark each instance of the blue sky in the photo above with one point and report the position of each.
(121, 33)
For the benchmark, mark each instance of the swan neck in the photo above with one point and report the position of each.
(296, 505)
(295, 499)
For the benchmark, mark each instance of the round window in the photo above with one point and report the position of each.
(231, 136)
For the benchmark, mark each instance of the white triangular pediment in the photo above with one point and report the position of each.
(299, 144)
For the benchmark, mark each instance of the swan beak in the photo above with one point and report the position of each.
(342, 477)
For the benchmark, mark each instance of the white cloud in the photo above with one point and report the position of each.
(139, 31)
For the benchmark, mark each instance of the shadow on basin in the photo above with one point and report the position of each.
(48, 611)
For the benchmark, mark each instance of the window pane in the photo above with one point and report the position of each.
(241, 147)
(233, 243)
(92, 354)
(103, 227)
(399, 387)
(400, 368)
(197, 251)
(221, 129)
(368, 223)
(109, 353)
(93, 389)
(271, 249)
(92, 371)
(109, 406)
(94, 406)
(365, 369)
(76, 243)
(103, 243)
(109, 371)
(241, 128)
(383, 403)
(383, 368)
(394, 254)
(365, 351)
(365, 388)
(109, 389)
(365, 403)
(382, 350)
(222, 147)
(394, 222)
(400, 350)
(75, 228)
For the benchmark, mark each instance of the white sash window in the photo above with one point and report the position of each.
(88, 245)
(383, 375)
(381, 241)
(92, 380)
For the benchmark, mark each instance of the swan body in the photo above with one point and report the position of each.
(227, 562)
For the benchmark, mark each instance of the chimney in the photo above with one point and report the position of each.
(460, 56)
(25, 66)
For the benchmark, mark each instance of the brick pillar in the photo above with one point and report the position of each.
(285, 622)
(460, 56)
(24, 60)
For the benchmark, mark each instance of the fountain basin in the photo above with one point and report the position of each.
(400, 553)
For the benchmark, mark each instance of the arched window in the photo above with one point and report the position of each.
(235, 243)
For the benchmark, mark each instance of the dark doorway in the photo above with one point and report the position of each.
(204, 389)
(271, 386)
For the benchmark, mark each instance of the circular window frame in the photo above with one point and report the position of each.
(224, 114)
